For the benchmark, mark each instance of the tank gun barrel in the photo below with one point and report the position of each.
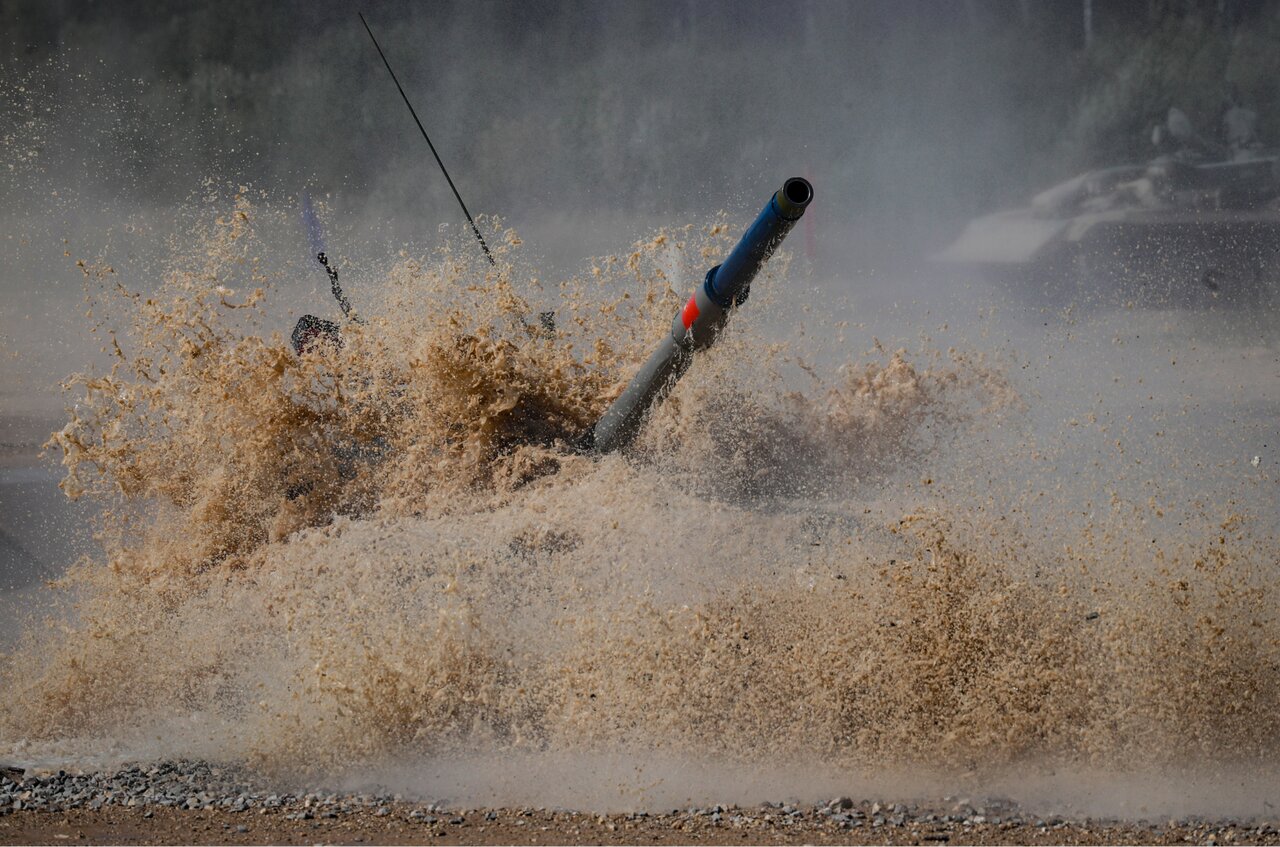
(698, 324)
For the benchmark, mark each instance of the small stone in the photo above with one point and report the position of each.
(841, 803)
(242, 828)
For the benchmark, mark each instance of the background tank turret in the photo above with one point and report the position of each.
(1183, 229)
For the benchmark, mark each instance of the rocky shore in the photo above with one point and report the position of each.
(194, 802)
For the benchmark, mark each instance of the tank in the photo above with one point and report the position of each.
(1177, 231)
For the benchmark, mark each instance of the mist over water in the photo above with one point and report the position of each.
(898, 532)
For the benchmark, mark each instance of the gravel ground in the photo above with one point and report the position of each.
(197, 803)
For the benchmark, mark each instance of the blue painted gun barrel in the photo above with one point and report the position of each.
(698, 324)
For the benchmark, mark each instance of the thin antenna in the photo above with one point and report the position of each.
(315, 235)
(470, 220)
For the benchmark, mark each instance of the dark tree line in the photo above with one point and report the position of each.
(897, 105)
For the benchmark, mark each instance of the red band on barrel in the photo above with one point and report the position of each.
(690, 313)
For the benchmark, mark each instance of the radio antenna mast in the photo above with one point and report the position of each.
(470, 220)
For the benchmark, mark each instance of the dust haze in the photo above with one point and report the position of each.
(903, 529)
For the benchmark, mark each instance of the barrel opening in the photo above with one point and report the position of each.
(798, 191)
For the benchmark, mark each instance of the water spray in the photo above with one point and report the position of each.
(422, 129)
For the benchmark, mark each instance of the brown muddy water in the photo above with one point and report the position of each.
(1029, 556)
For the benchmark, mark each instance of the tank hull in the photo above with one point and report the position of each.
(1167, 234)
(1157, 261)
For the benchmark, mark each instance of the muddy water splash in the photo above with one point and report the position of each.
(388, 551)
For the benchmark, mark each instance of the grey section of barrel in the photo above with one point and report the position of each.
(654, 379)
